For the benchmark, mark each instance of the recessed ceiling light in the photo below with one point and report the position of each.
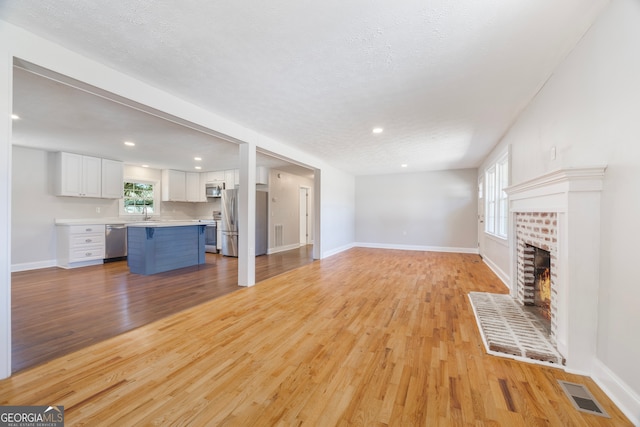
(129, 143)
(404, 165)
(377, 130)
(15, 117)
(145, 166)
(198, 167)
(197, 159)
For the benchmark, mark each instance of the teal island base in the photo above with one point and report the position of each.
(155, 248)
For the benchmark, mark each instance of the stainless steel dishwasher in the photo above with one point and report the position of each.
(115, 242)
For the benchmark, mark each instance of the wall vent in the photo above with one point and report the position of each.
(279, 239)
(582, 399)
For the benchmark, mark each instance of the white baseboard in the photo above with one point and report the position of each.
(337, 250)
(627, 400)
(33, 265)
(283, 248)
(498, 272)
(417, 248)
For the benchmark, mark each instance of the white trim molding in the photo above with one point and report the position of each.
(620, 393)
(417, 248)
(504, 277)
(26, 266)
(283, 248)
(337, 250)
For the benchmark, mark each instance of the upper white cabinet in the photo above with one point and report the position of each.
(231, 178)
(214, 177)
(78, 176)
(174, 186)
(194, 191)
(262, 175)
(112, 179)
(179, 186)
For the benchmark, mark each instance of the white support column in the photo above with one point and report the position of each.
(6, 91)
(247, 216)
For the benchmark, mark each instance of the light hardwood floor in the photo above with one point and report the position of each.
(366, 337)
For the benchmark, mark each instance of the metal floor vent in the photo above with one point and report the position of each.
(582, 400)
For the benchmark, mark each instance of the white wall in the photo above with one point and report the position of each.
(337, 211)
(425, 210)
(589, 111)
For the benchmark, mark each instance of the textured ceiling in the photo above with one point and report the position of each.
(444, 79)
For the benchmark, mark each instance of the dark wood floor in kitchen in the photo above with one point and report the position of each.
(57, 311)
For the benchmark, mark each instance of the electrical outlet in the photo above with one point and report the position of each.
(98, 209)
(553, 153)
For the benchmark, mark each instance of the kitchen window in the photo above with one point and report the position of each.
(497, 204)
(139, 198)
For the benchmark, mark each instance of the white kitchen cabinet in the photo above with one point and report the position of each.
(112, 179)
(262, 175)
(78, 176)
(194, 191)
(174, 186)
(214, 177)
(80, 245)
(231, 178)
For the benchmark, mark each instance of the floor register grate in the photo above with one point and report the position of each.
(582, 399)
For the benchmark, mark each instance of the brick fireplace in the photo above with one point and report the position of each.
(537, 239)
(559, 212)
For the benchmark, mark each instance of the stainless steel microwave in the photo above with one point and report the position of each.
(215, 189)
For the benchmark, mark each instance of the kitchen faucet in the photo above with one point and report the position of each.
(146, 216)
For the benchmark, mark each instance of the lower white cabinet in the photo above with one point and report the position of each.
(80, 245)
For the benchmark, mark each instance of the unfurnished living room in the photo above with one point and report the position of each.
(330, 213)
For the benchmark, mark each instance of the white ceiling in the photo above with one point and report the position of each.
(57, 116)
(444, 79)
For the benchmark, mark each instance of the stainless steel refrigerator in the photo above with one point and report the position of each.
(229, 227)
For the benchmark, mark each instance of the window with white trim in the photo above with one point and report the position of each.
(139, 198)
(496, 202)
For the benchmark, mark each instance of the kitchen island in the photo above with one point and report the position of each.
(155, 247)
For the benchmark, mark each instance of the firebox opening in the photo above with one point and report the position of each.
(542, 282)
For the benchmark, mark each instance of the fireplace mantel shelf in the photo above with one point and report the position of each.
(561, 181)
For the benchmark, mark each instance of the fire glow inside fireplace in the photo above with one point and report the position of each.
(542, 282)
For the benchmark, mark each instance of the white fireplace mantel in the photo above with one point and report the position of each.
(574, 194)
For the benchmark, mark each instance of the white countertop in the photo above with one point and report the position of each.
(157, 224)
(136, 222)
